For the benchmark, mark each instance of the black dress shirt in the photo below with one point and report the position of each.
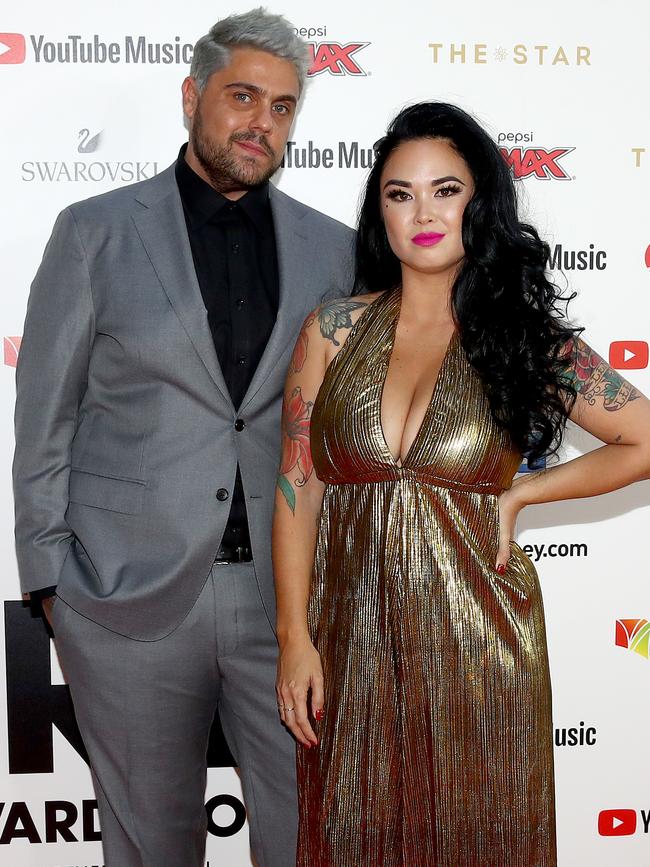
(235, 256)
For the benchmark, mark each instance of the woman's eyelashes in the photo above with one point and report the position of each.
(445, 192)
(448, 190)
(398, 195)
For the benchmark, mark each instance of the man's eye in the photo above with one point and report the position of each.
(281, 109)
(242, 97)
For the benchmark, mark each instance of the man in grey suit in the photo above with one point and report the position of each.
(159, 328)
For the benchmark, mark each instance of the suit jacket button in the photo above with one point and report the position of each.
(222, 494)
(240, 424)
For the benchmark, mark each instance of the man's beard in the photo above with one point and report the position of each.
(226, 173)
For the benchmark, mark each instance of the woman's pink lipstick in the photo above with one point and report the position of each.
(427, 239)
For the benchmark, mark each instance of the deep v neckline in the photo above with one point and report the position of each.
(400, 463)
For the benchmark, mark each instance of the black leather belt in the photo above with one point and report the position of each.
(239, 554)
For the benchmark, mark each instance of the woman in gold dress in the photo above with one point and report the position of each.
(413, 667)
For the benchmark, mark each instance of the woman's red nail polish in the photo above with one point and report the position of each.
(501, 569)
(320, 713)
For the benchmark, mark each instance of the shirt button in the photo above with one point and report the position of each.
(234, 248)
(242, 360)
(240, 424)
(222, 494)
(240, 303)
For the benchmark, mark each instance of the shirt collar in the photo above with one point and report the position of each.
(201, 202)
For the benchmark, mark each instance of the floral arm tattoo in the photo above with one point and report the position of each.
(296, 451)
(296, 464)
(592, 377)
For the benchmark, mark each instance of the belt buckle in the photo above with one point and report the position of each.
(239, 552)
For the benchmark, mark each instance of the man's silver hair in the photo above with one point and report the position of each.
(255, 29)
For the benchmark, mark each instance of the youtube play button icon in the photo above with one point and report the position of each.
(12, 48)
(628, 354)
(616, 823)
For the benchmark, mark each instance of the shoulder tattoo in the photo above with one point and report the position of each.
(592, 377)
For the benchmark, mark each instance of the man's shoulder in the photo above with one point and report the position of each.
(310, 217)
(121, 200)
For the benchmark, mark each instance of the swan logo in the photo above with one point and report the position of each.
(94, 171)
(88, 144)
(634, 635)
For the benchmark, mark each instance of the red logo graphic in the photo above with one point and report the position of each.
(536, 162)
(12, 48)
(616, 823)
(12, 347)
(628, 354)
(634, 635)
(647, 258)
(335, 58)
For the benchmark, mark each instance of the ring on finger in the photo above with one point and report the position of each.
(289, 709)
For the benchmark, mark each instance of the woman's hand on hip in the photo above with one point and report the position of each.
(510, 504)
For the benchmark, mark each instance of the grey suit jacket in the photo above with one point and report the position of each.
(124, 425)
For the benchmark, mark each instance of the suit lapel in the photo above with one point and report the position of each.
(294, 254)
(163, 232)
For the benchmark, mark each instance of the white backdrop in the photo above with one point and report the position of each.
(563, 88)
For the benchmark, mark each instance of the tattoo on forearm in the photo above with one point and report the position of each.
(296, 465)
(592, 377)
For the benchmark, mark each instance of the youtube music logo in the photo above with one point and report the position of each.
(616, 823)
(622, 823)
(12, 48)
(628, 354)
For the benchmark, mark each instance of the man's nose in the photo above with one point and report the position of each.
(262, 119)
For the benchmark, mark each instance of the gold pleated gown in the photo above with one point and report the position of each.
(436, 744)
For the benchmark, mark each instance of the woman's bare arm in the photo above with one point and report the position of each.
(298, 501)
(611, 409)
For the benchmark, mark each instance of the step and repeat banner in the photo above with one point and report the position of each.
(91, 100)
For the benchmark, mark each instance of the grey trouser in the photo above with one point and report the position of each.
(145, 709)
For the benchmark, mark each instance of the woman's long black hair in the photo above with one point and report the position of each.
(508, 313)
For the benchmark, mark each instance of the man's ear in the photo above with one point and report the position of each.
(191, 96)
